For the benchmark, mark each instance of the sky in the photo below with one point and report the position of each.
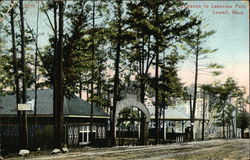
(231, 39)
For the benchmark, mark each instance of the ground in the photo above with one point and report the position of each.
(234, 149)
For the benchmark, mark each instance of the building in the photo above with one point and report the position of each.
(40, 128)
(177, 117)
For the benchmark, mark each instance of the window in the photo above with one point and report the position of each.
(101, 132)
(84, 134)
(85, 137)
(73, 135)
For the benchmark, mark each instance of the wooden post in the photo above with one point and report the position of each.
(191, 119)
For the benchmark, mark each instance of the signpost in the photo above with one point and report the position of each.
(29, 106)
(24, 107)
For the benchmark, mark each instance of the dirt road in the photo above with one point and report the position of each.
(209, 150)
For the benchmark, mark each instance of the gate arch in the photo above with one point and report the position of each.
(128, 102)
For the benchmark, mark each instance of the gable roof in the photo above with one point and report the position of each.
(72, 107)
(173, 114)
(176, 114)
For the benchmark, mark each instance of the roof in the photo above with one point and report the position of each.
(176, 114)
(73, 107)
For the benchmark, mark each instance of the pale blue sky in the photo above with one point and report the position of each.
(232, 31)
(231, 39)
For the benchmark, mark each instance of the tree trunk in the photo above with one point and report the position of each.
(195, 91)
(54, 75)
(223, 121)
(116, 80)
(242, 132)
(36, 87)
(80, 89)
(164, 128)
(92, 72)
(24, 96)
(87, 92)
(142, 121)
(99, 84)
(157, 51)
(191, 115)
(157, 98)
(232, 123)
(143, 126)
(59, 82)
(203, 116)
(36, 54)
(235, 124)
(15, 66)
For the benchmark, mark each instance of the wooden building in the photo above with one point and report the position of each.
(77, 121)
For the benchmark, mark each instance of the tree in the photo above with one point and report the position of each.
(167, 27)
(243, 121)
(155, 26)
(24, 89)
(240, 105)
(196, 49)
(170, 86)
(13, 69)
(15, 66)
(118, 28)
(78, 49)
(223, 93)
(59, 93)
(75, 57)
(229, 117)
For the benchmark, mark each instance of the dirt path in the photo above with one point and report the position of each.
(212, 150)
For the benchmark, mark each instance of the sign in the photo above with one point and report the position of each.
(24, 107)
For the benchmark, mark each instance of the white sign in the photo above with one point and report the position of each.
(24, 107)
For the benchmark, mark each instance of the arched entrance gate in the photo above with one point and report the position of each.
(132, 101)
